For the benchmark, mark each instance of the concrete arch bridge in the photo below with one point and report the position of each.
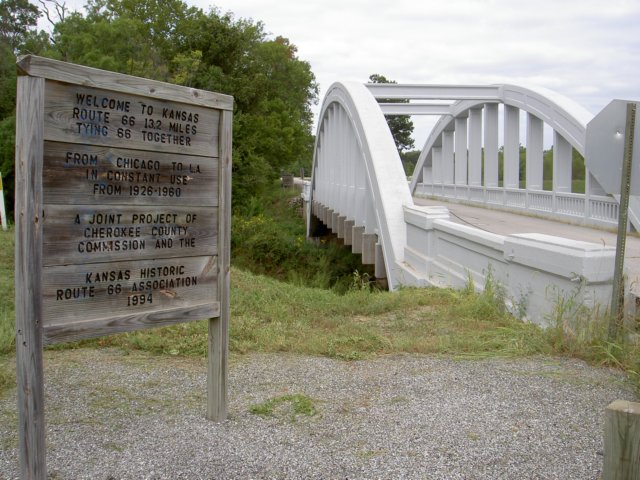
(359, 191)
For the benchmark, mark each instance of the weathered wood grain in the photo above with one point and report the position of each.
(218, 346)
(81, 293)
(88, 174)
(28, 274)
(92, 77)
(87, 234)
(77, 114)
(71, 332)
(622, 441)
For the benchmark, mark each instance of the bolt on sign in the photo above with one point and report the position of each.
(122, 219)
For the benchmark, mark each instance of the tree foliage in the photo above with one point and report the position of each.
(401, 126)
(409, 161)
(168, 40)
(17, 18)
(18, 35)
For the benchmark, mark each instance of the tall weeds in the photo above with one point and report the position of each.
(582, 332)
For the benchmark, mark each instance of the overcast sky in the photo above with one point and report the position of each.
(587, 50)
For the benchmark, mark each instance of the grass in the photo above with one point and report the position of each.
(7, 293)
(300, 404)
(7, 312)
(270, 315)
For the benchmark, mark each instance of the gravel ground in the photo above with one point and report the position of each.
(116, 416)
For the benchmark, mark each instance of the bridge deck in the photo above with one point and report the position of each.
(506, 223)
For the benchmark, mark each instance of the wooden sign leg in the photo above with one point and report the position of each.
(31, 430)
(622, 441)
(217, 370)
(28, 261)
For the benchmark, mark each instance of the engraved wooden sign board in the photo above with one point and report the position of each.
(122, 217)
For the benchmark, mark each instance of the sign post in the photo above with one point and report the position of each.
(610, 157)
(122, 219)
(617, 295)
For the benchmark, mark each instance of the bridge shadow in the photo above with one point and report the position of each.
(322, 235)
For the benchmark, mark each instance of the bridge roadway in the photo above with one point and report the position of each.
(506, 223)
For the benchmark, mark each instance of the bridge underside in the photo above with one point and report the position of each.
(324, 219)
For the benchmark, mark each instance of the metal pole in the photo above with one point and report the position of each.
(617, 295)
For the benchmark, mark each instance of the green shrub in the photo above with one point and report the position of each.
(270, 239)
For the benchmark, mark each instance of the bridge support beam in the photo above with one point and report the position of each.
(491, 145)
(535, 148)
(511, 170)
(369, 241)
(436, 162)
(380, 270)
(460, 150)
(562, 156)
(427, 174)
(447, 157)
(348, 232)
(341, 221)
(475, 147)
(358, 233)
(334, 221)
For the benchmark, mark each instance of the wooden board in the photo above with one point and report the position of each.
(93, 77)
(104, 175)
(90, 234)
(76, 295)
(127, 180)
(76, 114)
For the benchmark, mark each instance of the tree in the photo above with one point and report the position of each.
(18, 21)
(167, 40)
(18, 35)
(17, 18)
(401, 126)
(7, 156)
(409, 161)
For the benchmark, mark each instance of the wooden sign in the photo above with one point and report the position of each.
(122, 219)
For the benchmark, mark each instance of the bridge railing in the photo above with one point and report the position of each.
(473, 154)
(536, 273)
(588, 209)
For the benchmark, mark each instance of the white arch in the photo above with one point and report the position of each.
(563, 115)
(374, 169)
(359, 185)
